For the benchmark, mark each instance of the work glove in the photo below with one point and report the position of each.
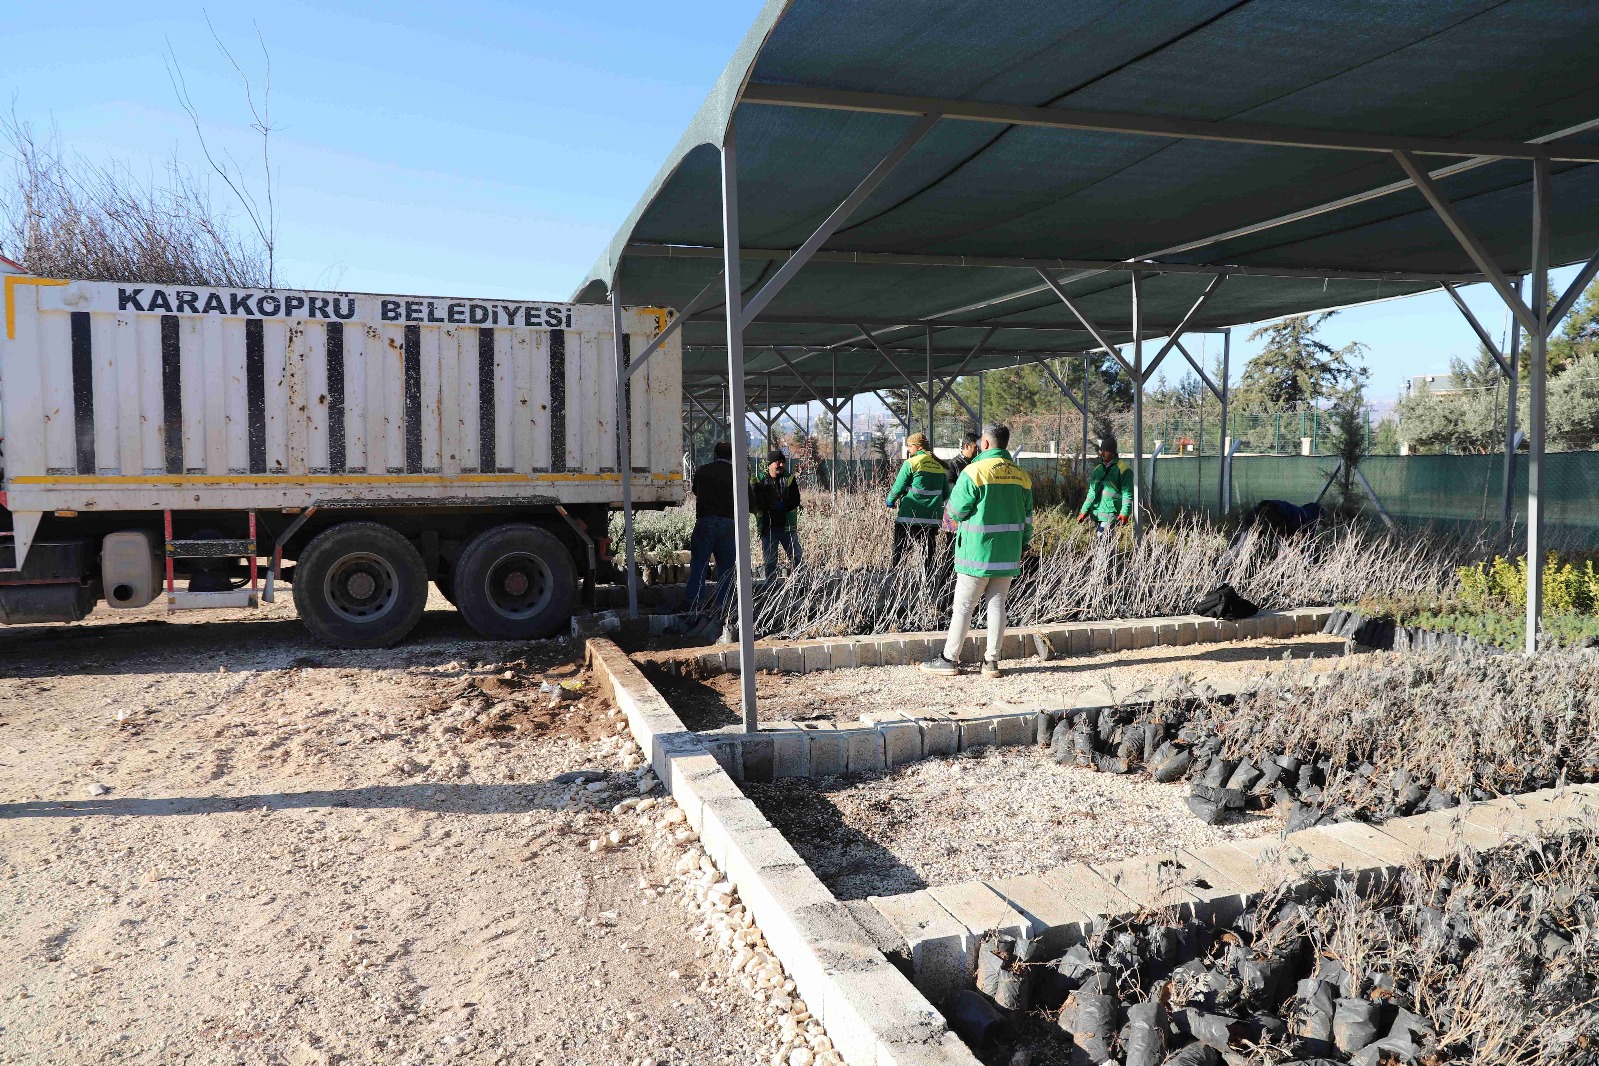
(889, 503)
(1082, 517)
(1122, 519)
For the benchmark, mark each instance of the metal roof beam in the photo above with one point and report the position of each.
(1098, 336)
(1489, 345)
(1467, 239)
(1065, 391)
(674, 325)
(646, 250)
(1182, 327)
(964, 364)
(1158, 125)
(840, 215)
(1209, 384)
(1564, 305)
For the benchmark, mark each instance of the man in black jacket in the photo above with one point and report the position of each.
(969, 447)
(713, 525)
(775, 499)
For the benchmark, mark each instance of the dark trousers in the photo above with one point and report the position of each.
(712, 536)
(774, 537)
(906, 535)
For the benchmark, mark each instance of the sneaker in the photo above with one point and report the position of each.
(991, 668)
(942, 667)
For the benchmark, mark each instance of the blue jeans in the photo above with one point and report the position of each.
(772, 539)
(712, 536)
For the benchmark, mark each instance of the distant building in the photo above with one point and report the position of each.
(1436, 384)
(10, 266)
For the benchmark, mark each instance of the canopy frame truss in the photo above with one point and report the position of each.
(892, 348)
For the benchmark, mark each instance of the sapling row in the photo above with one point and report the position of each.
(1485, 959)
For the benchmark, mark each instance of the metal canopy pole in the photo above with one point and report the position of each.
(931, 396)
(624, 443)
(832, 482)
(1539, 359)
(741, 459)
(1088, 397)
(1224, 474)
(1513, 375)
(979, 403)
(1138, 406)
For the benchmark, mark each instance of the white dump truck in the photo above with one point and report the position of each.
(204, 445)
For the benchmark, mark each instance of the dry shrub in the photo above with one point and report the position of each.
(1479, 727)
(1496, 949)
(846, 585)
(62, 216)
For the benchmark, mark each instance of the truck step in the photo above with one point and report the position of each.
(210, 549)
(197, 601)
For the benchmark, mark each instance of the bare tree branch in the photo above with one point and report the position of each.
(263, 221)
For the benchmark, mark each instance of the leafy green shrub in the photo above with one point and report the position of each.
(656, 534)
(1570, 586)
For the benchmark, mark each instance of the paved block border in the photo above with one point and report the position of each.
(873, 1014)
(938, 929)
(1047, 642)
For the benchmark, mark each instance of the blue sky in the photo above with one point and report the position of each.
(483, 149)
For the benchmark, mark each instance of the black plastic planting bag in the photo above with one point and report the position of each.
(1194, 1055)
(1354, 1024)
(1144, 1035)
(1091, 1019)
(1001, 974)
(976, 1020)
(1223, 601)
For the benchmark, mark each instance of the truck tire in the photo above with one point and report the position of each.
(515, 582)
(360, 585)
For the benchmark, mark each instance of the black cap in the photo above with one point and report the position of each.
(775, 456)
(1107, 444)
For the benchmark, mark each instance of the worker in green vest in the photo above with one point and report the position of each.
(1110, 490)
(992, 506)
(775, 499)
(917, 499)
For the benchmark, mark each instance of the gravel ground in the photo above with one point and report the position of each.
(712, 703)
(221, 842)
(998, 812)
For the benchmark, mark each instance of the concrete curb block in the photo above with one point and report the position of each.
(884, 740)
(1061, 906)
(1062, 641)
(872, 1012)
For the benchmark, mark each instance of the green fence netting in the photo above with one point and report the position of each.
(1462, 492)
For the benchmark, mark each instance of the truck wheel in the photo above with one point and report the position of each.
(360, 585)
(515, 582)
(445, 583)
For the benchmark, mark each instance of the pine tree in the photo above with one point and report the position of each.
(1295, 367)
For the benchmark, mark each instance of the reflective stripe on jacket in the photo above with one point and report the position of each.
(992, 503)
(1110, 491)
(920, 490)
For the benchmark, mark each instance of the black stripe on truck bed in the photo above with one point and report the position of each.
(558, 400)
(413, 399)
(172, 393)
(337, 456)
(255, 393)
(485, 400)
(83, 390)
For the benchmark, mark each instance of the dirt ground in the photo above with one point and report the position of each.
(995, 812)
(225, 843)
(712, 703)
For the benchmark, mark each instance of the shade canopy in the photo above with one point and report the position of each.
(1257, 140)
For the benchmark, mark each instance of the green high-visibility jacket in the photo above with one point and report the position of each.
(1110, 491)
(920, 490)
(992, 504)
